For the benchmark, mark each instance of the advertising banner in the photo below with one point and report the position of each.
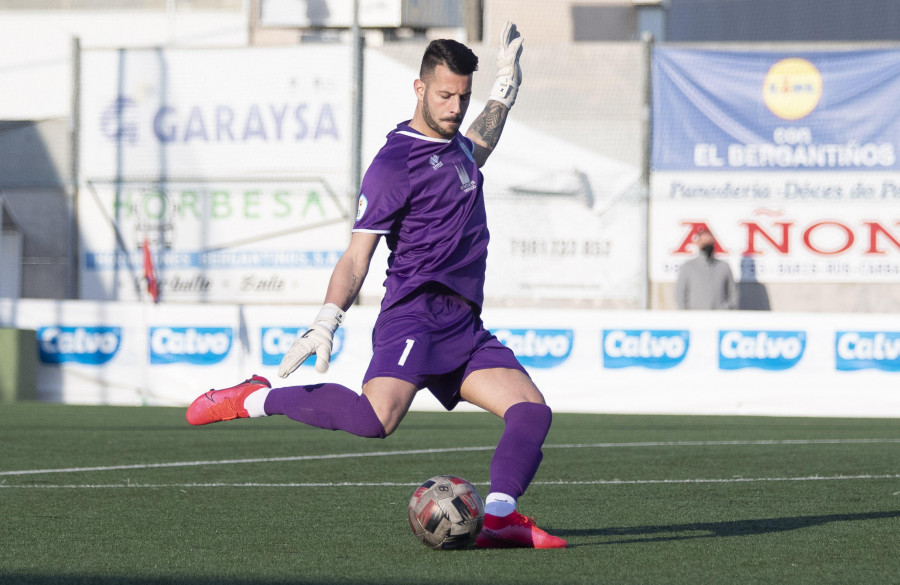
(187, 113)
(735, 110)
(218, 241)
(779, 238)
(234, 166)
(790, 159)
(556, 247)
(653, 362)
(235, 176)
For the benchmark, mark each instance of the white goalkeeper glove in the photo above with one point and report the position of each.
(317, 340)
(509, 74)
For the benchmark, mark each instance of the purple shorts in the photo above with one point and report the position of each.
(435, 340)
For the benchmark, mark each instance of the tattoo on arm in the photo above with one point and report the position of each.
(354, 289)
(486, 129)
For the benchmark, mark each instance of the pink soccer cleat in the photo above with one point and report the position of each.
(515, 531)
(227, 404)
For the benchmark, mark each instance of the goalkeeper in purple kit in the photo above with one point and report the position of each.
(423, 193)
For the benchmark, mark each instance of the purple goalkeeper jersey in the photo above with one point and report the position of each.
(425, 196)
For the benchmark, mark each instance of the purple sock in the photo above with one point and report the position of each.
(327, 406)
(518, 453)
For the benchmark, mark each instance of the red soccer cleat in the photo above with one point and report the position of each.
(227, 404)
(515, 531)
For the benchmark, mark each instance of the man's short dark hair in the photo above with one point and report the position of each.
(457, 57)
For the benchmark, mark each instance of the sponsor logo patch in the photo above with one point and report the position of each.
(792, 88)
(465, 182)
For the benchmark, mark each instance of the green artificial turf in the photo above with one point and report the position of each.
(135, 495)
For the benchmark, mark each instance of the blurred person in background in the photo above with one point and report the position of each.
(705, 283)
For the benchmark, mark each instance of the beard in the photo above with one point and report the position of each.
(435, 125)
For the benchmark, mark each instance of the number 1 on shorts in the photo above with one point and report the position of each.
(409, 344)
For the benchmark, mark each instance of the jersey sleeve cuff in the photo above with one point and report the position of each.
(368, 231)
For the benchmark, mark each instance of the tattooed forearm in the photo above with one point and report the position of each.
(351, 269)
(486, 129)
(354, 290)
(489, 124)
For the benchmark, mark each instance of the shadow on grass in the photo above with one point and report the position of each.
(639, 534)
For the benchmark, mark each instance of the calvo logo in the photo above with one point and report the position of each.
(277, 341)
(861, 350)
(656, 349)
(82, 345)
(193, 345)
(766, 350)
(538, 348)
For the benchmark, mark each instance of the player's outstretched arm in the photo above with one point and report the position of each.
(486, 129)
(343, 288)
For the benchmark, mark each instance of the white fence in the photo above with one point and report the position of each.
(748, 363)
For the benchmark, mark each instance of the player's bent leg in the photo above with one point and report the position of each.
(326, 406)
(496, 389)
(390, 399)
(510, 394)
(518, 454)
(513, 466)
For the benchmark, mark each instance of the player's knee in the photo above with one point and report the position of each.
(390, 410)
(389, 422)
(385, 416)
(537, 414)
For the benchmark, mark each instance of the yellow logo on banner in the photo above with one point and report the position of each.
(792, 88)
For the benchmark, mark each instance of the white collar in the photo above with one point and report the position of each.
(423, 137)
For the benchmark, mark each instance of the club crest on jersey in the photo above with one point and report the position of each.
(466, 184)
(435, 162)
(361, 206)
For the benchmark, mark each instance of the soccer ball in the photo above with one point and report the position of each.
(446, 512)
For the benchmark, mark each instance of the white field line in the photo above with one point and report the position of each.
(446, 450)
(597, 482)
